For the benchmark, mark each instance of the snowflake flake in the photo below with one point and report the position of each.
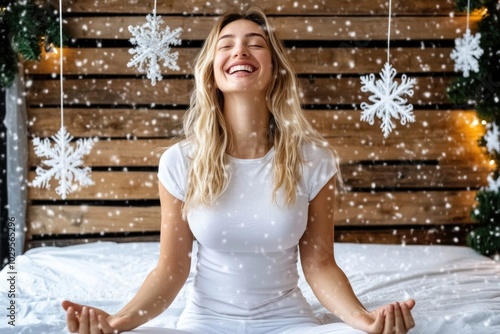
(63, 161)
(492, 137)
(152, 46)
(387, 99)
(467, 53)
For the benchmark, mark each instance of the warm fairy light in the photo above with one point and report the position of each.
(483, 122)
(474, 123)
(493, 165)
(48, 47)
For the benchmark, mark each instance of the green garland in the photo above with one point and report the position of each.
(25, 28)
(483, 89)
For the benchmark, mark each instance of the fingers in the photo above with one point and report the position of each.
(398, 318)
(399, 324)
(71, 320)
(73, 311)
(379, 321)
(410, 303)
(89, 323)
(85, 322)
(389, 320)
(407, 316)
(95, 328)
(66, 303)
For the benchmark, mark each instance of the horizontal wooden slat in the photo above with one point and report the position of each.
(112, 61)
(288, 28)
(82, 219)
(100, 122)
(85, 239)
(121, 153)
(422, 235)
(354, 210)
(118, 185)
(436, 135)
(273, 7)
(427, 90)
(415, 176)
(404, 208)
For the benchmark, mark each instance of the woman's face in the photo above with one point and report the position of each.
(243, 62)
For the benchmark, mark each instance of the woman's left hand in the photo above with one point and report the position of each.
(391, 318)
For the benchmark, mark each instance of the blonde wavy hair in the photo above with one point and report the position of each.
(206, 128)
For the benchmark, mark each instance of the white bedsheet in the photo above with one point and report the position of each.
(456, 289)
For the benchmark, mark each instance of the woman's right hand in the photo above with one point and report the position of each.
(83, 319)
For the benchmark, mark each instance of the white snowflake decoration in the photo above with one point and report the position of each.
(493, 185)
(387, 99)
(466, 53)
(492, 137)
(152, 46)
(63, 162)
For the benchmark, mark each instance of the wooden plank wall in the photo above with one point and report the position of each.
(416, 186)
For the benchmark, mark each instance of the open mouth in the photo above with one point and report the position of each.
(241, 68)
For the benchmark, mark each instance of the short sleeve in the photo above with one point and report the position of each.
(320, 165)
(173, 171)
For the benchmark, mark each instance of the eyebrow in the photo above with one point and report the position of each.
(251, 34)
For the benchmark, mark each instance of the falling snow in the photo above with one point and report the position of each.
(466, 53)
(153, 46)
(387, 99)
(63, 162)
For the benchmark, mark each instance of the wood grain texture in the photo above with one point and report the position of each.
(271, 7)
(362, 29)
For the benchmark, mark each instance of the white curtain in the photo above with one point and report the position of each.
(17, 157)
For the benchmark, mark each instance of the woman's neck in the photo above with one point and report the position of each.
(248, 119)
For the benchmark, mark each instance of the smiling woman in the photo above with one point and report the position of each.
(253, 184)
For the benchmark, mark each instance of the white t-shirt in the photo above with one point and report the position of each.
(247, 242)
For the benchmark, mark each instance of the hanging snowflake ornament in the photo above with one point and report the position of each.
(153, 46)
(493, 185)
(492, 138)
(466, 53)
(63, 161)
(387, 98)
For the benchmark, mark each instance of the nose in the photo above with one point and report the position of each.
(240, 50)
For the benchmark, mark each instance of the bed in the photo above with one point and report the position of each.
(456, 289)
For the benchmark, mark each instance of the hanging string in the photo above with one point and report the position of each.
(61, 62)
(154, 10)
(468, 13)
(389, 30)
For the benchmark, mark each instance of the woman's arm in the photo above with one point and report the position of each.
(329, 283)
(159, 288)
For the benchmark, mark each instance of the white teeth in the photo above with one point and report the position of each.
(236, 68)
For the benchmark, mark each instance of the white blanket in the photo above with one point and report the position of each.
(456, 289)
